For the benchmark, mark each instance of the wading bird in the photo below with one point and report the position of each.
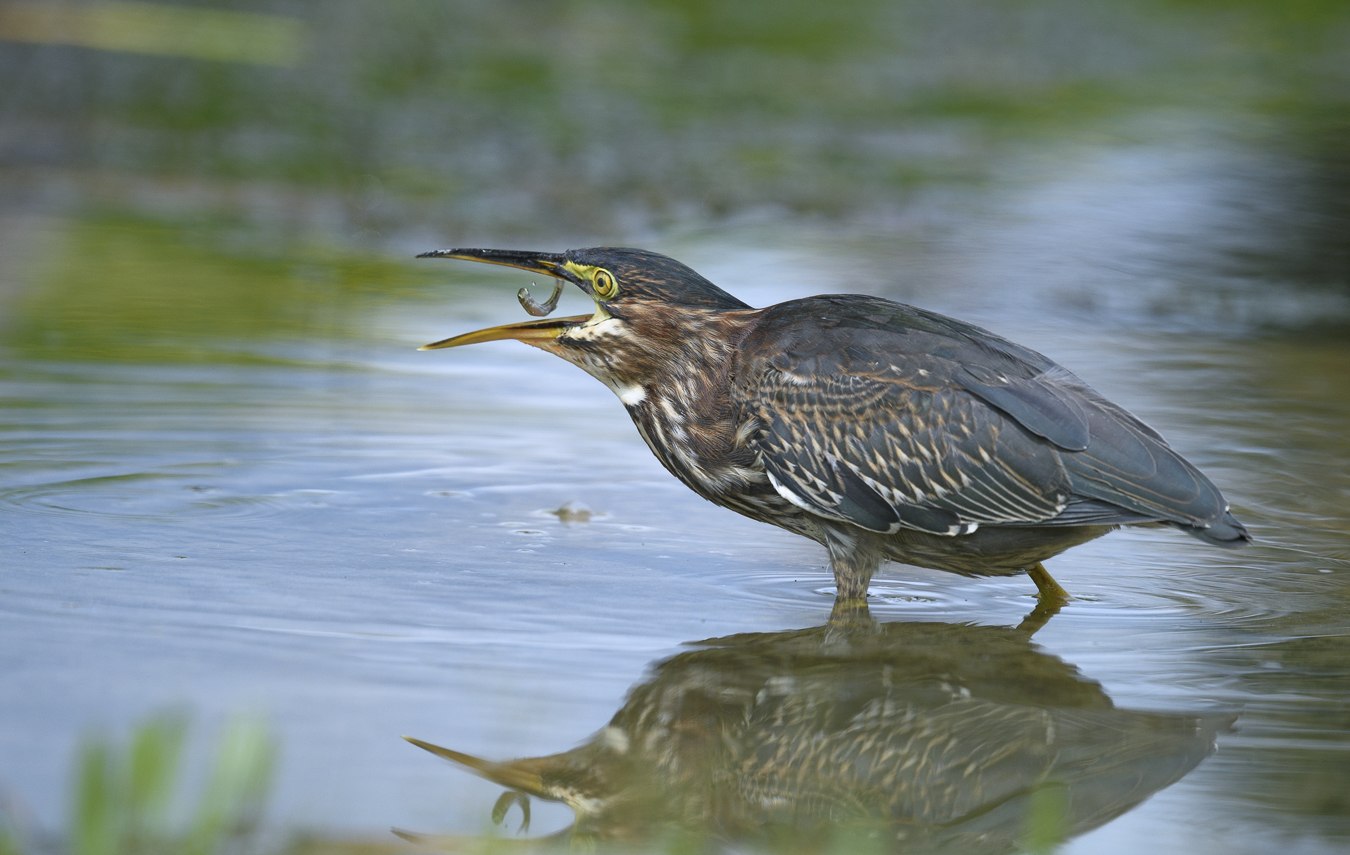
(879, 430)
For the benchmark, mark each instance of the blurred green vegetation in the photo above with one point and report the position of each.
(128, 799)
(154, 28)
(191, 292)
(1047, 820)
(600, 113)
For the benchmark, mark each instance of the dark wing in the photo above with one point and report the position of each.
(890, 417)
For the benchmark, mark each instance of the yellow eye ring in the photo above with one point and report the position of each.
(605, 285)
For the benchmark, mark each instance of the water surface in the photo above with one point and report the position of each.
(314, 521)
(229, 482)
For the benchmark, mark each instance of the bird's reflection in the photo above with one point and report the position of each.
(915, 736)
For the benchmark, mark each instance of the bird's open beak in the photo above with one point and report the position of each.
(530, 332)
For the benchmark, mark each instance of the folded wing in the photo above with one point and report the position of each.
(889, 417)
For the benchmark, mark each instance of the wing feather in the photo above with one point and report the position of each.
(891, 417)
(894, 463)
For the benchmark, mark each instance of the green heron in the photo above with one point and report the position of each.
(879, 430)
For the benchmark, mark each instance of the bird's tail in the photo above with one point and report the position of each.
(1224, 531)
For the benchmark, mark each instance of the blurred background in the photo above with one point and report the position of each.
(228, 483)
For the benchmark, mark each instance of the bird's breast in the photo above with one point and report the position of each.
(705, 451)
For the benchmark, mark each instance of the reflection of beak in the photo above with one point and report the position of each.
(514, 775)
(531, 332)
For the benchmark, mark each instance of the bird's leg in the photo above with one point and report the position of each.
(853, 560)
(1051, 597)
(1051, 593)
(854, 557)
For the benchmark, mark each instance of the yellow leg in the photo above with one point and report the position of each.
(1052, 597)
(1051, 593)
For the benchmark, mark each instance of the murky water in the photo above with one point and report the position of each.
(229, 482)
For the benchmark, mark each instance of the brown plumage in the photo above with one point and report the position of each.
(879, 430)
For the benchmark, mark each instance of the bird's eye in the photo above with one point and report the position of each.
(606, 286)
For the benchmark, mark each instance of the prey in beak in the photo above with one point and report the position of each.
(538, 333)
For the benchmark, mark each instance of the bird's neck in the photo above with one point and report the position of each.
(682, 403)
(682, 359)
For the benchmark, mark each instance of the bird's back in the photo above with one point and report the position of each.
(891, 417)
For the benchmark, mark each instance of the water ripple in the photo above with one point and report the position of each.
(816, 588)
(145, 496)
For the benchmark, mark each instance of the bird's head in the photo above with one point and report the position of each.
(649, 309)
